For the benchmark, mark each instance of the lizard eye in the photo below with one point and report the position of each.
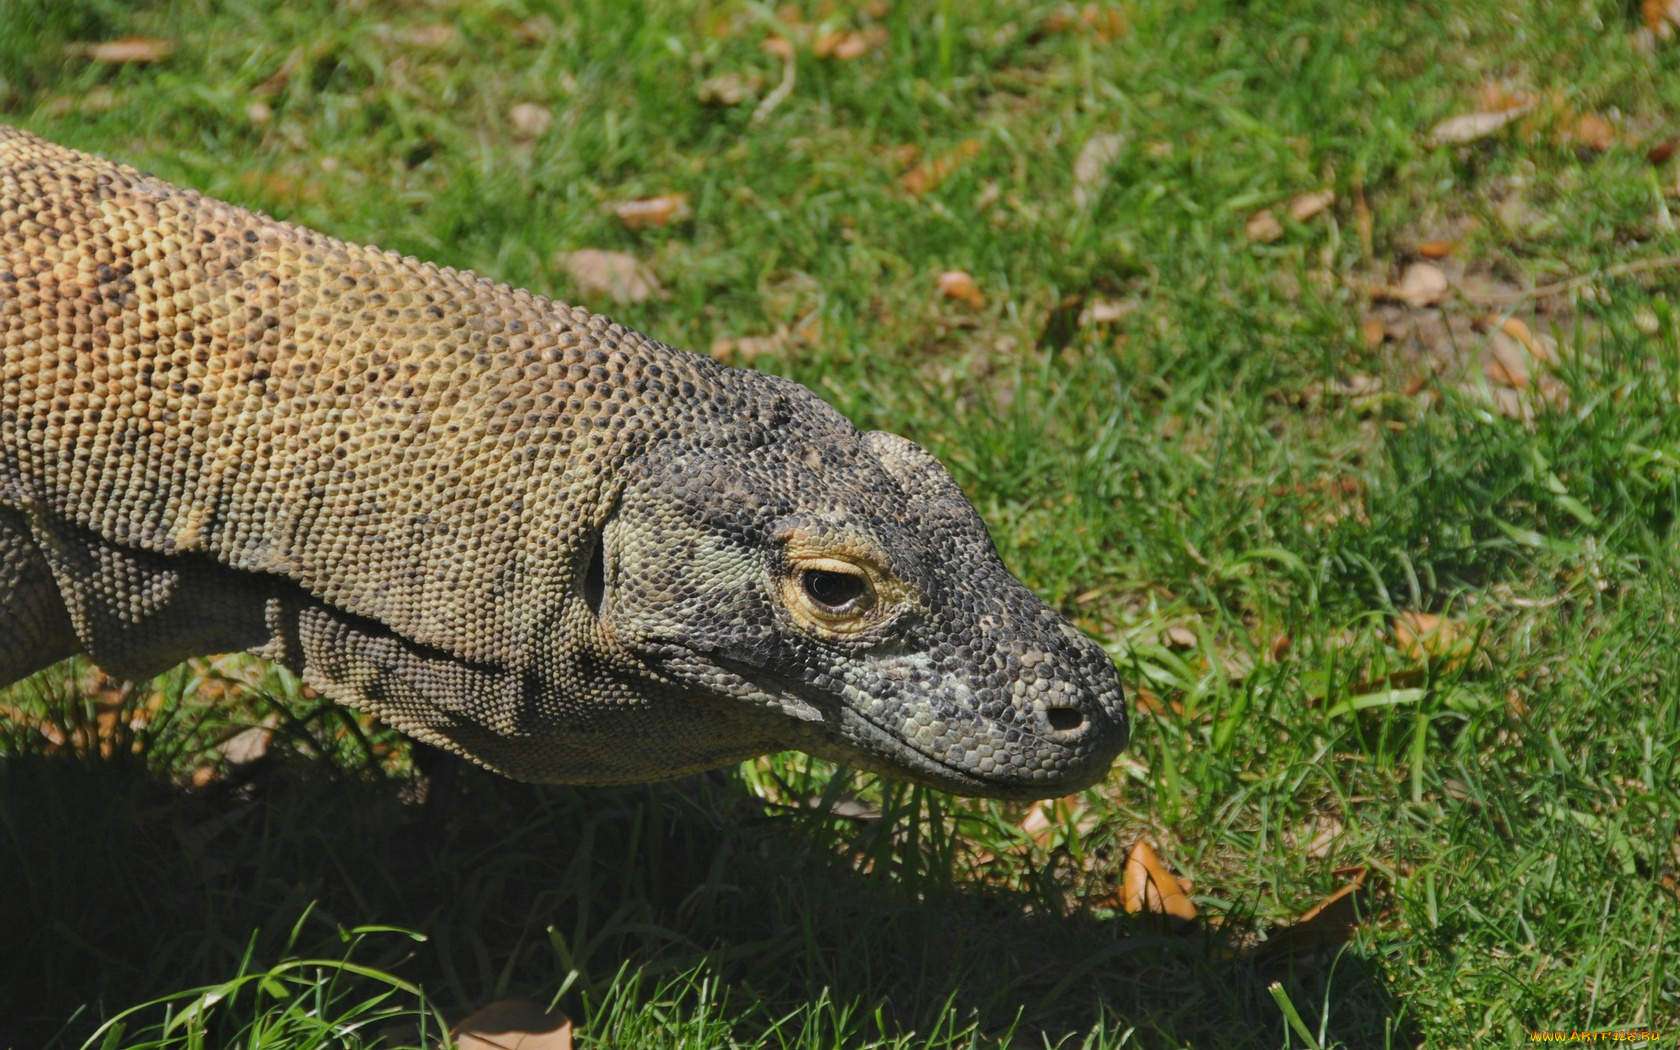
(837, 593)
(833, 591)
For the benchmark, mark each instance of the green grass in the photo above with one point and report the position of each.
(1230, 458)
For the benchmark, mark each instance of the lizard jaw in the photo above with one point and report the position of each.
(844, 732)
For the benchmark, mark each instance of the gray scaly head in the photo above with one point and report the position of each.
(839, 591)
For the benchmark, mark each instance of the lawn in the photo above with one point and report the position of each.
(1351, 429)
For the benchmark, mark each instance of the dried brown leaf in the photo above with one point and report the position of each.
(960, 285)
(1304, 206)
(1421, 284)
(1507, 364)
(1324, 926)
(1149, 703)
(97, 99)
(435, 35)
(728, 88)
(1495, 96)
(1435, 249)
(1095, 158)
(1263, 227)
(514, 1024)
(1661, 16)
(1149, 887)
(538, 29)
(1469, 127)
(1587, 130)
(747, 348)
(927, 176)
(1541, 347)
(1178, 637)
(530, 120)
(1429, 638)
(653, 211)
(615, 275)
(848, 46)
(1046, 816)
(1106, 311)
(137, 50)
(282, 76)
(1105, 22)
(247, 745)
(1373, 330)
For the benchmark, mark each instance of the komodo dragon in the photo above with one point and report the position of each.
(507, 526)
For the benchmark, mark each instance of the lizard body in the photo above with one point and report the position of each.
(505, 525)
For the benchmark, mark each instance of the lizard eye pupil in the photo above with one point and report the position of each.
(833, 590)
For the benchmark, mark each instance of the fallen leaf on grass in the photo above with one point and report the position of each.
(1263, 227)
(751, 347)
(1149, 703)
(1507, 364)
(1106, 311)
(529, 120)
(1435, 249)
(653, 211)
(1177, 637)
(247, 745)
(1469, 127)
(960, 285)
(438, 34)
(926, 176)
(1304, 206)
(1095, 158)
(278, 80)
(1587, 130)
(615, 275)
(1373, 330)
(538, 29)
(1429, 638)
(1149, 887)
(849, 46)
(1316, 838)
(137, 50)
(97, 99)
(1422, 284)
(1324, 926)
(1104, 22)
(1499, 96)
(748, 347)
(728, 89)
(1661, 16)
(1045, 817)
(514, 1024)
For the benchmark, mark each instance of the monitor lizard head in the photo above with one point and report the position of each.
(835, 591)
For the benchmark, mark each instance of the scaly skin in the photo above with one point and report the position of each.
(505, 525)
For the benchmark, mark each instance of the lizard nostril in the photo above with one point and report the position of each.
(1064, 719)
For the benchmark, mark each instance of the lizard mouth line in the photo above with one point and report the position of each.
(786, 697)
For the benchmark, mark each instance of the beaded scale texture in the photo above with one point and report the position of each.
(505, 525)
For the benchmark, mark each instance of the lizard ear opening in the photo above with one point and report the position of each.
(595, 578)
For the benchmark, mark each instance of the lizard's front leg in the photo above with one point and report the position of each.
(35, 629)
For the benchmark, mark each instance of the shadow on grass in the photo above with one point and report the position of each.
(121, 886)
